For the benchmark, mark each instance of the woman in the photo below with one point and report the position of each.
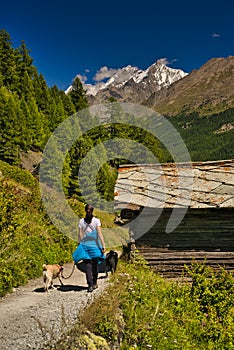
(93, 245)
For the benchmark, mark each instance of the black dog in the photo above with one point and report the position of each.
(111, 261)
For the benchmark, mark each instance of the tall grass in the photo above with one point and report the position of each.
(141, 310)
(27, 237)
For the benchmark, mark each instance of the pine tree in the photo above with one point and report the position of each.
(68, 106)
(13, 130)
(78, 96)
(42, 94)
(57, 113)
(51, 165)
(118, 131)
(8, 61)
(1, 80)
(26, 72)
(78, 151)
(26, 62)
(105, 178)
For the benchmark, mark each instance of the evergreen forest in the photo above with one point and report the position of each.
(31, 111)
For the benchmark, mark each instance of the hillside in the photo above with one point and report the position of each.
(27, 235)
(208, 90)
(209, 137)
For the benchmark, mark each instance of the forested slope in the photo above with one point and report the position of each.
(27, 237)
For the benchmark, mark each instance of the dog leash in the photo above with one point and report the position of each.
(74, 265)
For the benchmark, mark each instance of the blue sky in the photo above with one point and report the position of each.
(80, 37)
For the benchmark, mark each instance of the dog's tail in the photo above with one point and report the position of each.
(44, 274)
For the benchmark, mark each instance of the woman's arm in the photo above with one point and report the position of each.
(101, 238)
(80, 235)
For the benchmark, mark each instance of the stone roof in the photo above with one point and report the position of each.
(194, 185)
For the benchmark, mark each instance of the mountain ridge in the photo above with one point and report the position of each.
(128, 83)
(206, 90)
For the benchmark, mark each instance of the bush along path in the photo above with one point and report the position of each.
(141, 310)
(31, 318)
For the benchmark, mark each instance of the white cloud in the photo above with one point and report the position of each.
(173, 61)
(163, 61)
(103, 73)
(215, 35)
(82, 78)
(166, 62)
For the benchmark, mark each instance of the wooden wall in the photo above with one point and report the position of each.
(200, 229)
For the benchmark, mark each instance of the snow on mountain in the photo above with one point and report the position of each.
(130, 83)
(118, 79)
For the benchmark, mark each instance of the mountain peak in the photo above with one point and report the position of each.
(207, 90)
(132, 84)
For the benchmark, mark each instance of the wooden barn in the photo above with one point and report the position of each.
(179, 212)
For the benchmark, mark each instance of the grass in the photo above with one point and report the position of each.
(141, 310)
(27, 234)
(27, 237)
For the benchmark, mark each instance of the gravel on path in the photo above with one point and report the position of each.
(30, 317)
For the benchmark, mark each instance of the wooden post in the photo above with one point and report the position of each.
(131, 247)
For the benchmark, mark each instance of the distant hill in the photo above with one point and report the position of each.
(200, 105)
(206, 91)
(208, 137)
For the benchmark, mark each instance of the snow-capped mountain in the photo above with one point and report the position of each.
(132, 84)
(118, 79)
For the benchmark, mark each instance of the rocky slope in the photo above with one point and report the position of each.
(207, 90)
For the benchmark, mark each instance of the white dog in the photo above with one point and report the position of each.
(49, 273)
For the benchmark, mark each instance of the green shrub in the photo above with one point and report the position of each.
(214, 293)
(141, 310)
(20, 176)
(27, 238)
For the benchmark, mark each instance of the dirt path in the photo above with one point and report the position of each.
(29, 317)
